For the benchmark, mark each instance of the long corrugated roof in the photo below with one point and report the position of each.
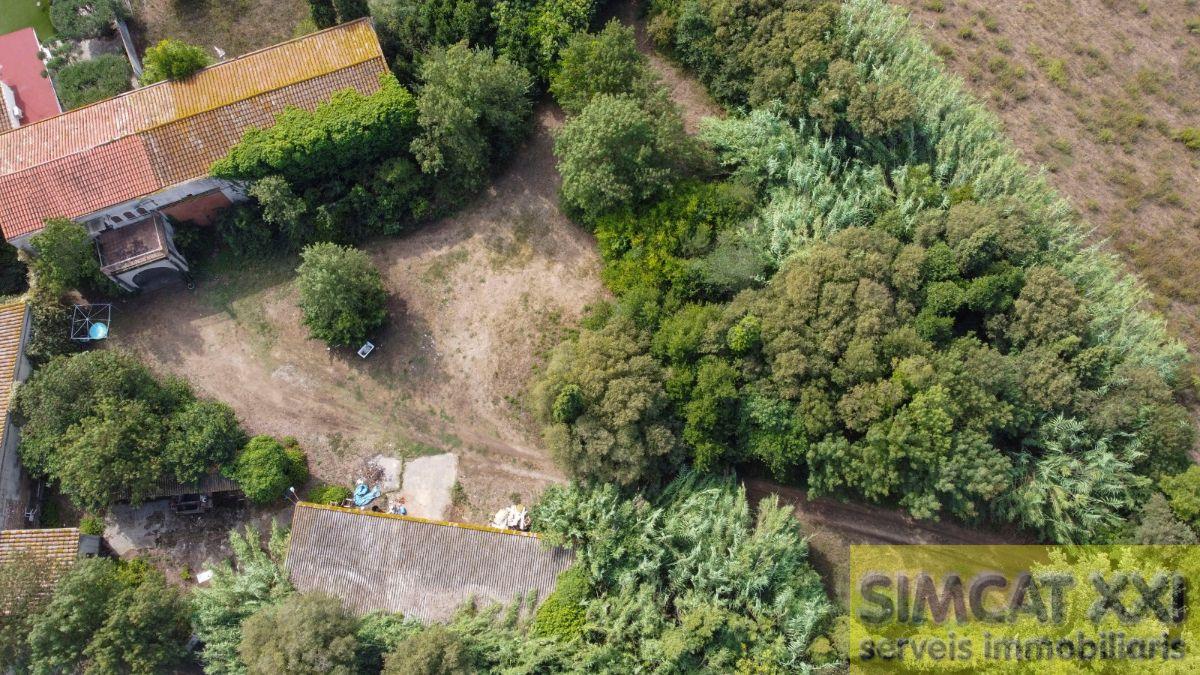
(422, 568)
(173, 130)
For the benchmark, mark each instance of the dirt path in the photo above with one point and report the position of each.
(834, 526)
(477, 301)
(693, 100)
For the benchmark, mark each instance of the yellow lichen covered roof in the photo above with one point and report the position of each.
(151, 138)
(12, 324)
(220, 85)
(59, 547)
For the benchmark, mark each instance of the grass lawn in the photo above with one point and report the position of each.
(17, 14)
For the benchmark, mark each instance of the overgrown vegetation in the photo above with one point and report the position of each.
(909, 316)
(83, 19)
(83, 82)
(173, 60)
(102, 428)
(650, 589)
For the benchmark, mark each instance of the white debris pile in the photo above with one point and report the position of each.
(515, 517)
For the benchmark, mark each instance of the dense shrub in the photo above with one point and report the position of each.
(562, 615)
(13, 273)
(265, 469)
(1184, 493)
(95, 79)
(531, 32)
(323, 13)
(91, 525)
(256, 579)
(346, 132)
(64, 257)
(434, 651)
(82, 19)
(409, 28)
(103, 428)
(342, 295)
(472, 110)
(49, 326)
(116, 616)
(306, 634)
(1158, 525)
(379, 633)
(328, 494)
(173, 60)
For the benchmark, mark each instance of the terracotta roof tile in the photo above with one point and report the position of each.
(60, 546)
(187, 148)
(76, 185)
(12, 325)
(34, 156)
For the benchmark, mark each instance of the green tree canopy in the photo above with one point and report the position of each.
(82, 19)
(434, 651)
(607, 62)
(624, 435)
(112, 617)
(21, 579)
(472, 110)
(342, 294)
(102, 427)
(64, 256)
(306, 634)
(617, 154)
(173, 60)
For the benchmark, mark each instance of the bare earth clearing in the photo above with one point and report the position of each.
(477, 300)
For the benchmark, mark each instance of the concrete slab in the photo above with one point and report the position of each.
(392, 468)
(129, 528)
(427, 485)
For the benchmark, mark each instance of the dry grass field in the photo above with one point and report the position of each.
(234, 26)
(478, 299)
(1101, 93)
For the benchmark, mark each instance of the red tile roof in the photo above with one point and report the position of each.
(119, 149)
(76, 184)
(21, 69)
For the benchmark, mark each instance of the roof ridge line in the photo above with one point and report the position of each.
(141, 133)
(214, 66)
(418, 519)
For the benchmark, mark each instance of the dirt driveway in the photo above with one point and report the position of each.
(477, 301)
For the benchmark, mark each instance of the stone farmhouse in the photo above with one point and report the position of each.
(129, 167)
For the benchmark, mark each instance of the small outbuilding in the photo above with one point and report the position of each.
(424, 569)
